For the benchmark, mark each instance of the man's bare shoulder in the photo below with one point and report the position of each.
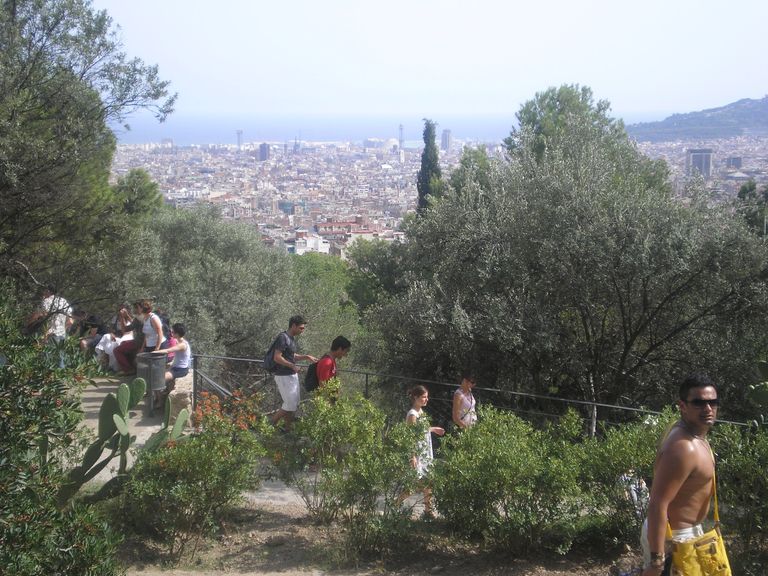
(678, 444)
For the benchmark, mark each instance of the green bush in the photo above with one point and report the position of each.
(178, 491)
(347, 465)
(622, 454)
(39, 418)
(742, 482)
(513, 485)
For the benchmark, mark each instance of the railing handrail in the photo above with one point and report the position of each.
(478, 388)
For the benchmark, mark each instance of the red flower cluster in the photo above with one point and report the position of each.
(242, 411)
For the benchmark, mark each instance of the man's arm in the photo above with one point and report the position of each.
(278, 358)
(305, 357)
(673, 467)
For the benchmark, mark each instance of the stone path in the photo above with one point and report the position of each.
(143, 426)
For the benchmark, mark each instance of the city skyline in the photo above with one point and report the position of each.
(409, 60)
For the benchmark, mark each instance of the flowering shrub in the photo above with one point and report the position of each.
(178, 492)
(241, 410)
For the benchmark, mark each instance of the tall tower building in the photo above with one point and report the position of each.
(239, 139)
(698, 161)
(446, 140)
(264, 152)
(400, 141)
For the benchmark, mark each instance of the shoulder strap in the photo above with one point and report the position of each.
(716, 515)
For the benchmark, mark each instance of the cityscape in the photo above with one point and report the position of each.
(321, 196)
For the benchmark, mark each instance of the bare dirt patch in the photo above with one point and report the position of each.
(268, 539)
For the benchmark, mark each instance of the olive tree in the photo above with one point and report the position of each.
(232, 292)
(64, 80)
(578, 273)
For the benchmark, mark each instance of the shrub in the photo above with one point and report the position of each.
(347, 465)
(742, 461)
(39, 431)
(615, 463)
(178, 491)
(511, 484)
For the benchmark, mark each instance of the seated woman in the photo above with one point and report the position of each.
(182, 358)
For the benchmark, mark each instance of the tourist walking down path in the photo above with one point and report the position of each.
(282, 358)
(422, 459)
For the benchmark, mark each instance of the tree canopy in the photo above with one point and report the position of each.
(63, 80)
(580, 274)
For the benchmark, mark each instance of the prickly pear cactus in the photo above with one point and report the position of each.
(113, 437)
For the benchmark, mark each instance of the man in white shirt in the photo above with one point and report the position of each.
(59, 314)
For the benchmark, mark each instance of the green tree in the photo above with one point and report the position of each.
(232, 292)
(137, 194)
(580, 275)
(321, 297)
(63, 80)
(474, 167)
(428, 182)
(374, 271)
(753, 205)
(546, 118)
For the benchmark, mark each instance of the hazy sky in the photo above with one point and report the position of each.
(428, 58)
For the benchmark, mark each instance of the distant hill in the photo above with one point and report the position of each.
(745, 117)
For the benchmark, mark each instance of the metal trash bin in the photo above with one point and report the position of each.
(151, 367)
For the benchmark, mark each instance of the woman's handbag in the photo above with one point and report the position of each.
(704, 555)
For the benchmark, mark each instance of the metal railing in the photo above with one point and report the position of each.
(223, 375)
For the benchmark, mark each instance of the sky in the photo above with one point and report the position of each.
(282, 59)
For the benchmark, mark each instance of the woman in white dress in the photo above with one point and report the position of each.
(422, 459)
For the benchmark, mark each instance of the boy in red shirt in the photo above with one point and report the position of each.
(326, 366)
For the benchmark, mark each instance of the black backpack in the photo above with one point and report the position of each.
(269, 358)
(310, 380)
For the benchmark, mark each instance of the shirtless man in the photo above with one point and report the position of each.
(682, 483)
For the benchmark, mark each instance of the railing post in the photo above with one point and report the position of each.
(194, 383)
(366, 386)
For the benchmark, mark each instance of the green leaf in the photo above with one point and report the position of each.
(138, 388)
(123, 398)
(178, 426)
(120, 424)
(109, 407)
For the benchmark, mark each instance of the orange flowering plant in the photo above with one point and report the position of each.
(179, 492)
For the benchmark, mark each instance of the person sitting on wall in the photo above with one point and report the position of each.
(182, 359)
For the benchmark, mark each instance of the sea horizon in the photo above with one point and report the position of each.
(189, 129)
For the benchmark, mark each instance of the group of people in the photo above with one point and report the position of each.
(281, 360)
(117, 343)
(684, 472)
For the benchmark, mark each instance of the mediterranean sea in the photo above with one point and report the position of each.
(187, 130)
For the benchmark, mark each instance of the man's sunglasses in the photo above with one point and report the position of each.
(701, 402)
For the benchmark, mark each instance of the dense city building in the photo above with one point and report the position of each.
(321, 196)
